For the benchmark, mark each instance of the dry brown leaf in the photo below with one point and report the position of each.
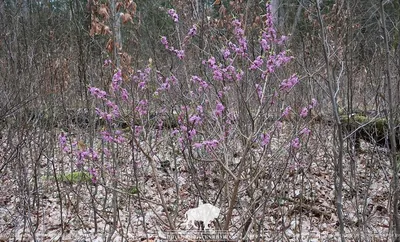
(110, 45)
(106, 30)
(103, 11)
(126, 17)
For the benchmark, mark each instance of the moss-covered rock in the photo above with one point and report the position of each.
(76, 177)
(372, 130)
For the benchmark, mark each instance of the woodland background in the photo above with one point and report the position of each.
(346, 55)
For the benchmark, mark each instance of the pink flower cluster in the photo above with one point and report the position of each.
(210, 145)
(257, 63)
(259, 91)
(265, 139)
(141, 78)
(179, 53)
(295, 143)
(240, 37)
(142, 107)
(82, 155)
(288, 84)
(286, 112)
(220, 73)
(62, 139)
(192, 31)
(107, 62)
(109, 116)
(203, 84)
(270, 36)
(116, 80)
(97, 93)
(219, 108)
(304, 111)
(172, 13)
(116, 137)
(93, 174)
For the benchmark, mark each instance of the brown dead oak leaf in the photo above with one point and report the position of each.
(125, 17)
(103, 12)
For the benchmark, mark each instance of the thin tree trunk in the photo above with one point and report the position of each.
(392, 137)
(338, 135)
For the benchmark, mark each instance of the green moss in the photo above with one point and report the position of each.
(73, 177)
(133, 190)
(76, 177)
(381, 123)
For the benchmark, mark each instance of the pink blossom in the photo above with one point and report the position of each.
(106, 152)
(164, 41)
(96, 92)
(305, 131)
(174, 132)
(106, 136)
(264, 45)
(115, 113)
(142, 107)
(232, 46)
(107, 62)
(288, 84)
(172, 13)
(296, 143)
(192, 31)
(119, 139)
(217, 75)
(95, 155)
(259, 92)
(165, 85)
(256, 63)
(138, 129)
(202, 83)
(83, 155)
(116, 80)
(313, 104)
(281, 59)
(240, 36)
(111, 104)
(192, 133)
(270, 66)
(270, 32)
(93, 174)
(196, 79)
(180, 54)
(265, 139)
(197, 145)
(142, 85)
(124, 94)
(239, 75)
(304, 112)
(282, 40)
(173, 79)
(109, 116)
(286, 112)
(219, 108)
(211, 144)
(199, 109)
(62, 139)
(211, 62)
(195, 119)
(226, 53)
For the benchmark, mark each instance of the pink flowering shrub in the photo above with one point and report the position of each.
(205, 115)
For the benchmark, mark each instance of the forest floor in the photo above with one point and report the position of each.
(50, 209)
